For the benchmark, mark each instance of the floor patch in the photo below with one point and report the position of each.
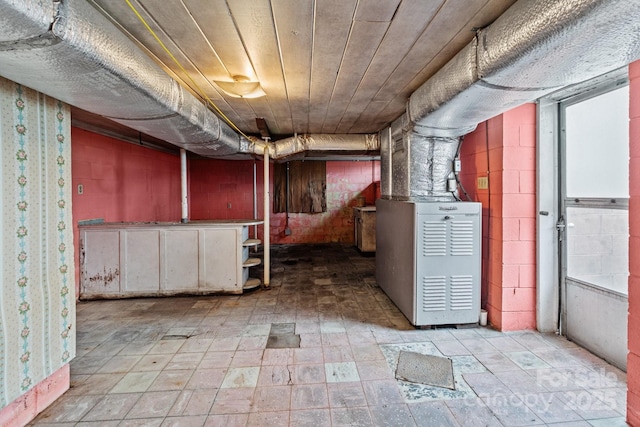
(425, 369)
(416, 392)
(282, 335)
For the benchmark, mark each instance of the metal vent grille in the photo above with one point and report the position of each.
(461, 292)
(461, 238)
(434, 293)
(435, 238)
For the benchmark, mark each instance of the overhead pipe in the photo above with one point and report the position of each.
(183, 186)
(255, 200)
(70, 51)
(267, 213)
(532, 49)
(297, 144)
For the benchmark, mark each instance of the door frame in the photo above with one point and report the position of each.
(550, 289)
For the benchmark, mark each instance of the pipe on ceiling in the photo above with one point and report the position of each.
(532, 49)
(289, 148)
(70, 51)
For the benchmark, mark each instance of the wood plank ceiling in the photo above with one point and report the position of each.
(326, 66)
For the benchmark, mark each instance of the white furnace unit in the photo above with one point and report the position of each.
(428, 259)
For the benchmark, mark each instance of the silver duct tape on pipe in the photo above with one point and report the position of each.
(550, 43)
(313, 143)
(90, 64)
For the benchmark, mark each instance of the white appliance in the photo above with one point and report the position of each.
(428, 259)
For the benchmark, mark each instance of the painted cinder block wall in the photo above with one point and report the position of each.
(221, 189)
(633, 358)
(502, 149)
(121, 182)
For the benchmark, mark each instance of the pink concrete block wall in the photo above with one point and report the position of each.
(24, 409)
(633, 359)
(222, 189)
(503, 150)
(121, 182)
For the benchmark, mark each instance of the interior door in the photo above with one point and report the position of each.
(593, 222)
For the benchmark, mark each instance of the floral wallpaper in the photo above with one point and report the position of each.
(37, 302)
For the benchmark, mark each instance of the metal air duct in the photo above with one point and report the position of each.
(324, 143)
(534, 48)
(70, 51)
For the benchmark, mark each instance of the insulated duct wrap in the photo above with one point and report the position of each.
(421, 166)
(534, 48)
(400, 171)
(385, 163)
(430, 167)
(443, 88)
(549, 44)
(354, 143)
(90, 64)
(35, 19)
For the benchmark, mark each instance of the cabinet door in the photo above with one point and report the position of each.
(179, 260)
(220, 261)
(141, 255)
(100, 263)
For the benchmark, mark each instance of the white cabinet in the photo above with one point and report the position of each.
(149, 259)
(428, 259)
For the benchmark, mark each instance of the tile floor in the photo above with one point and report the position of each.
(203, 361)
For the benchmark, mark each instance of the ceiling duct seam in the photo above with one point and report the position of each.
(95, 67)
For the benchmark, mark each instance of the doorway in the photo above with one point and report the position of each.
(592, 224)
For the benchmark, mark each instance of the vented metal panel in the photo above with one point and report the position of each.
(461, 238)
(428, 259)
(462, 292)
(435, 238)
(448, 265)
(434, 293)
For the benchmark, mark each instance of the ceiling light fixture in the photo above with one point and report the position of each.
(241, 87)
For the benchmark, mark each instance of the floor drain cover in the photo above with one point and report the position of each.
(425, 369)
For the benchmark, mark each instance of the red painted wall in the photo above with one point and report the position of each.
(633, 359)
(503, 150)
(121, 182)
(222, 189)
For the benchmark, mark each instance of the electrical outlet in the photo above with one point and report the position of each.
(80, 189)
(483, 183)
